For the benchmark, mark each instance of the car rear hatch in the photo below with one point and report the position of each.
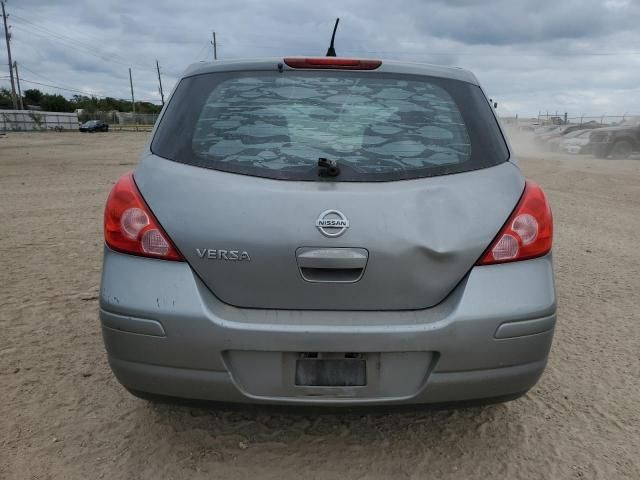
(424, 186)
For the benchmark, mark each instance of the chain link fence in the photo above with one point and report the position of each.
(34, 120)
(31, 120)
(122, 120)
(572, 119)
(580, 119)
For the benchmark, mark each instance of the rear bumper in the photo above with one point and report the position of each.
(165, 333)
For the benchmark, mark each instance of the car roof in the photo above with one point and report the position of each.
(388, 66)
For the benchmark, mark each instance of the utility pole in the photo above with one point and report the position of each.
(15, 67)
(160, 82)
(7, 37)
(215, 47)
(133, 102)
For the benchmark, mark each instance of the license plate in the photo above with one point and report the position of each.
(331, 372)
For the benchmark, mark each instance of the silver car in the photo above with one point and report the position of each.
(327, 231)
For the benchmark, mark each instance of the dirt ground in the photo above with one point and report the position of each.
(63, 414)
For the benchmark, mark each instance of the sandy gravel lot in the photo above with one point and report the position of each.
(63, 415)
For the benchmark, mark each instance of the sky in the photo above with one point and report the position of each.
(575, 56)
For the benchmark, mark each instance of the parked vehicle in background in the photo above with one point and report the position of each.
(617, 142)
(581, 126)
(542, 137)
(542, 129)
(552, 137)
(576, 142)
(554, 143)
(94, 126)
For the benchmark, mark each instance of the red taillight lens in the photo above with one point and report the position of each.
(332, 62)
(527, 234)
(130, 227)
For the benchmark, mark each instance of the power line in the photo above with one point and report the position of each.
(58, 34)
(52, 84)
(73, 90)
(53, 81)
(64, 43)
(37, 74)
(63, 88)
(72, 43)
(66, 38)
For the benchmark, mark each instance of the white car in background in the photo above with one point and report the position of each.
(578, 142)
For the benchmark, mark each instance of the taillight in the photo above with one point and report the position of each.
(527, 234)
(332, 62)
(130, 227)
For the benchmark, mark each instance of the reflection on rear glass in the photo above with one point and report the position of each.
(373, 125)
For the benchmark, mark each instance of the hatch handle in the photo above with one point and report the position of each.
(343, 265)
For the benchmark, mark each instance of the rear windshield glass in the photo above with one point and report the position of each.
(375, 126)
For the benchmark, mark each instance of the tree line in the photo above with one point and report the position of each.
(58, 103)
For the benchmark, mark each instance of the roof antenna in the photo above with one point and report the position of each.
(331, 52)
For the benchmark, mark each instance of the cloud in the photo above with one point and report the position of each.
(506, 22)
(531, 55)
